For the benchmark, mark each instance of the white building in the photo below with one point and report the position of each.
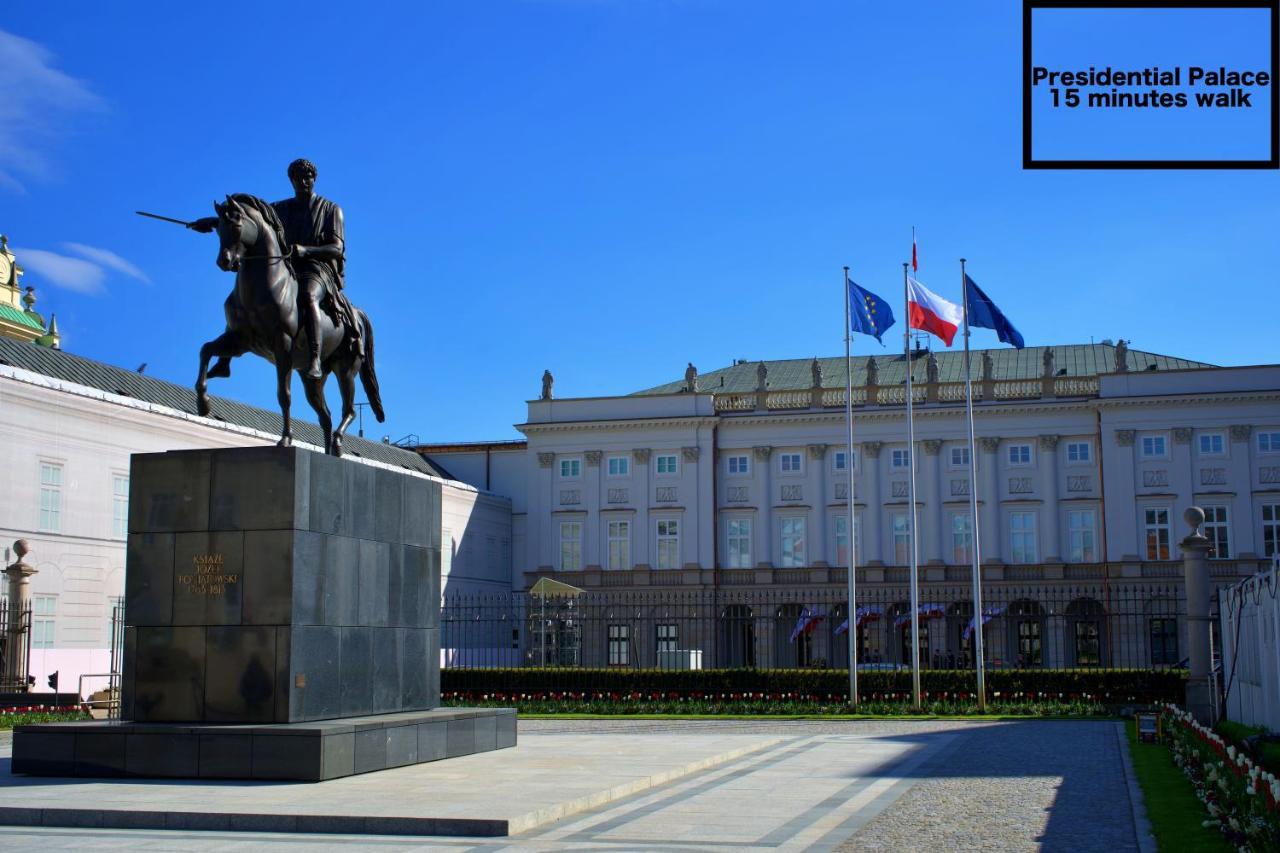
(69, 426)
(1087, 457)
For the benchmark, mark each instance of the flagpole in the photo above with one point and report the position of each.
(850, 580)
(911, 496)
(976, 550)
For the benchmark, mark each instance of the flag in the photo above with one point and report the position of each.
(868, 313)
(984, 314)
(927, 611)
(866, 613)
(988, 613)
(915, 257)
(809, 619)
(932, 313)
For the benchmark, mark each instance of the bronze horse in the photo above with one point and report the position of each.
(263, 317)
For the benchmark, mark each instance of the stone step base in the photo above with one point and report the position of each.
(308, 752)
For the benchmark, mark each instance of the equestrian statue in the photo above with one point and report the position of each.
(288, 304)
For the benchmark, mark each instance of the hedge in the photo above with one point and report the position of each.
(1105, 686)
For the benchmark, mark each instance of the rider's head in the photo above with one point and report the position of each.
(302, 173)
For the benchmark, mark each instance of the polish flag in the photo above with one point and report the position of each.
(915, 257)
(928, 311)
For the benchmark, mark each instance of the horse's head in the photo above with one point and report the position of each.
(237, 231)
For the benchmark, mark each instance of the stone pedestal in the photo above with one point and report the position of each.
(268, 586)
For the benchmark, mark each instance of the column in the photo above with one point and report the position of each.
(1118, 475)
(931, 517)
(691, 521)
(1195, 569)
(818, 543)
(19, 574)
(642, 537)
(870, 484)
(591, 502)
(1240, 477)
(989, 497)
(543, 506)
(705, 514)
(1052, 540)
(764, 520)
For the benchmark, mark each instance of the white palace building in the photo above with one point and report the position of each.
(735, 482)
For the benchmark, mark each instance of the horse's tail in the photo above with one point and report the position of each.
(368, 377)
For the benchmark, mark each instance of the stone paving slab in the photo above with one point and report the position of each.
(489, 794)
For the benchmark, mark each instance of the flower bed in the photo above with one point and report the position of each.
(698, 703)
(24, 714)
(1242, 799)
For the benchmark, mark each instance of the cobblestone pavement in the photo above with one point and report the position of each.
(825, 785)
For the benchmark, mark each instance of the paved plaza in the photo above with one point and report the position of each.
(663, 785)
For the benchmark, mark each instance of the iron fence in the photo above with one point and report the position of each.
(1137, 626)
(15, 648)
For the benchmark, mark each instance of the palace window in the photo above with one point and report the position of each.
(50, 497)
(840, 524)
(1081, 539)
(739, 465)
(1154, 447)
(1155, 528)
(1269, 442)
(668, 543)
(1164, 641)
(570, 468)
(900, 458)
(791, 463)
(901, 539)
(959, 457)
(840, 460)
(1088, 644)
(668, 464)
(667, 638)
(792, 542)
(1217, 527)
(619, 466)
(570, 546)
(119, 506)
(43, 610)
(961, 538)
(739, 542)
(1019, 454)
(619, 645)
(1022, 535)
(1270, 530)
(1079, 451)
(619, 534)
(1212, 444)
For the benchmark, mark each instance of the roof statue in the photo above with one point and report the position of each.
(762, 378)
(1122, 356)
(988, 366)
(1048, 363)
(18, 317)
(873, 372)
(931, 369)
(289, 257)
(547, 382)
(691, 379)
(815, 370)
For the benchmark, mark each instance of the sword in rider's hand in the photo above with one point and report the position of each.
(162, 218)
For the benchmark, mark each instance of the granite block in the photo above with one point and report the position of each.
(308, 577)
(341, 568)
(402, 745)
(424, 582)
(268, 597)
(360, 497)
(240, 680)
(505, 731)
(414, 683)
(173, 756)
(169, 492)
(327, 505)
(100, 754)
(460, 738)
(388, 496)
(226, 756)
(284, 673)
(356, 662)
(208, 578)
(338, 755)
(278, 756)
(433, 741)
(169, 674)
(386, 657)
(315, 687)
(129, 669)
(395, 587)
(371, 750)
(411, 577)
(432, 668)
(421, 511)
(148, 582)
(374, 583)
(486, 733)
(254, 488)
(44, 753)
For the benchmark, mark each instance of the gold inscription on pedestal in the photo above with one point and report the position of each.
(208, 576)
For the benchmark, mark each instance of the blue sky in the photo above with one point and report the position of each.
(607, 189)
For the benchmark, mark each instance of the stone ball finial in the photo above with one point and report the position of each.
(22, 548)
(1194, 516)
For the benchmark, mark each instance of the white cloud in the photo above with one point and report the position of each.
(108, 259)
(72, 273)
(36, 98)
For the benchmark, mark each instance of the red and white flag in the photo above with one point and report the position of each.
(915, 255)
(928, 311)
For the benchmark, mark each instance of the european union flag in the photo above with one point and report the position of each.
(984, 313)
(868, 313)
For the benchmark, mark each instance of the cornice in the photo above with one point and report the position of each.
(1203, 399)
(894, 413)
(531, 429)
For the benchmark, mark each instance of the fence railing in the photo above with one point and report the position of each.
(15, 648)
(1073, 626)
(1249, 615)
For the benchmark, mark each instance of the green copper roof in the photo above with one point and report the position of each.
(82, 371)
(1008, 363)
(22, 318)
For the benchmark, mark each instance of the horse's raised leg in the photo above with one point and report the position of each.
(227, 345)
(347, 385)
(284, 369)
(314, 389)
